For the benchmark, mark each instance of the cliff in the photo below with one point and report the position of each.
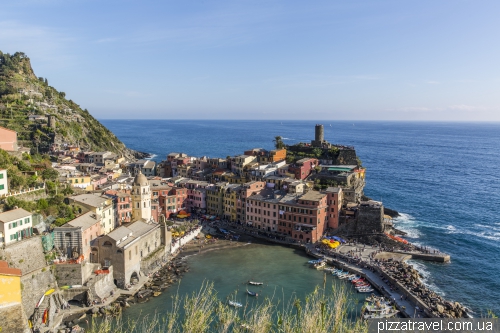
(42, 115)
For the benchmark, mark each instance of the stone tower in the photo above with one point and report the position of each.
(319, 136)
(52, 121)
(319, 132)
(141, 198)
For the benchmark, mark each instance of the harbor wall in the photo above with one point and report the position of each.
(185, 239)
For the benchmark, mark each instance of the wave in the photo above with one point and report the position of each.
(287, 139)
(406, 223)
(495, 228)
(425, 276)
(151, 157)
(495, 236)
(450, 227)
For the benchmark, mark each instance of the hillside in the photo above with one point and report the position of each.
(60, 121)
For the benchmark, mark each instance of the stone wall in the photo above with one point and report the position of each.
(27, 255)
(34, 285)
(370, 218)
(73, 274)
(13, 319)
(102, 285)
(152, 262)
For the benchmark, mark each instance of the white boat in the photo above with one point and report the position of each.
(366, 290)
(348, 276)
(320, 265)
(235, 304)
(255, 283)
(381, 315)
(377, 308)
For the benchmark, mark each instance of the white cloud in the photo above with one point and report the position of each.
(433, 82)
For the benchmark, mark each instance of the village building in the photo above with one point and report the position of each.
(128, 248)
(4, 184)
(8, 139)
(74, 238)
(15, 225)
(141, 198)
(101, 206)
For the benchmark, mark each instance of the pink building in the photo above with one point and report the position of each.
(74, 238)
(262, 210)
(302, 168)
(334, 201)
(8, 139)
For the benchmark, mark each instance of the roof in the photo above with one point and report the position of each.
(85, 221)
(140, 180)
(341, 169)
(312, 196)
(303, 160)
(6, 270)
(89, 199)
(14, 214)
(119, 233)
(140, 228)
(267, 195)
(131, 232)
(333, 189)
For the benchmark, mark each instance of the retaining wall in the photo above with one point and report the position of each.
(185, 239)
(27, 255)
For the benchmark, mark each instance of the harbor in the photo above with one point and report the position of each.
(199, 260)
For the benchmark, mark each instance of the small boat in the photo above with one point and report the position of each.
(315, 261)
(255, 283)
(48, 292)
(330, 269)
(355, 277)
(235, 304)
(365, 290)
(346, 276)
(389, 314)
(320, 265)
(251, 293)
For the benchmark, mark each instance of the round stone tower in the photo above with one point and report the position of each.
(319, 133)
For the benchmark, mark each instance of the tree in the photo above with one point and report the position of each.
(317, 152)
(50, 174)
(278, 142)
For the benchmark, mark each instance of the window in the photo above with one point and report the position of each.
(1, 175)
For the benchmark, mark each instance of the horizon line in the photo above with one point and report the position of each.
(312, 120)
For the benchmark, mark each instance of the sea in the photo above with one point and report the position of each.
(441, 177)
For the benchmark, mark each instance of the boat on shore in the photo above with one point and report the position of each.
(251, 293)
(235, 304)
(255, 283)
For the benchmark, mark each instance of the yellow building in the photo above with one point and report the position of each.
(215, 198)
(230, 202)
(80, 181)
(10, 285)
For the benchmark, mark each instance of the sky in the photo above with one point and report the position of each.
(425, 60)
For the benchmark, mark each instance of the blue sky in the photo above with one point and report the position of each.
(375, 59)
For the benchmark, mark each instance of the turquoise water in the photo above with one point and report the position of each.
(283, 270)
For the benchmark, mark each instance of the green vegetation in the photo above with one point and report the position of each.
(22, 173)
(278, 142)
(320, 312)
(23, 94)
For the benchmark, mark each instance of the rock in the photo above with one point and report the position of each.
(440, 308)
